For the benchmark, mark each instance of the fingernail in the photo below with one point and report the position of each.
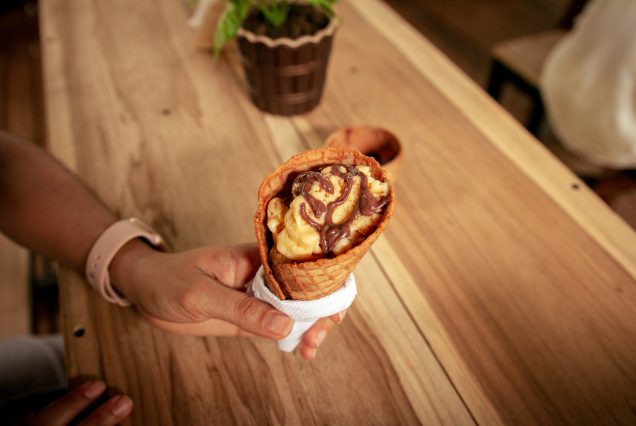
(278, 323)
(341, 316)
(311, 353)
(320, 337)
(94, 389)
(122, 406)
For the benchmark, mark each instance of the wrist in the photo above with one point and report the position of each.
(108, 246)
(125, 266)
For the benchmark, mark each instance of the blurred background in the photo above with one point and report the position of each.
(501, 45)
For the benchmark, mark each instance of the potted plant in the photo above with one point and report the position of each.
(284, 48)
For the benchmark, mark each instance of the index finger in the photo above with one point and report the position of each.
(65, 409)
(314, 337)
(211, 327)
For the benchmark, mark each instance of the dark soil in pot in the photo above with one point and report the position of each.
(302, 20)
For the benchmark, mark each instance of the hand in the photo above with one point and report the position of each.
(202, 292)
(66, 409)
(204, 287)
(315, 336)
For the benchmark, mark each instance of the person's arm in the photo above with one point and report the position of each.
(46, 208)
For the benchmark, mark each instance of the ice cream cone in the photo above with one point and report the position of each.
(308, 280)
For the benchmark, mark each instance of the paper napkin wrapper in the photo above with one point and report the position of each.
(305, 313)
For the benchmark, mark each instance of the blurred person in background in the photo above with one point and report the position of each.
(588, 85)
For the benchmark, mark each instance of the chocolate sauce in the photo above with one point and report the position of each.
(302, 185)
(331, 207)
(331, 233)
(309, 220)
(317, 206)
(305, 180)
(368, 204)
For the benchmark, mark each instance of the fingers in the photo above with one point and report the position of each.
(255, 316)
(247, 262)
(316, 335)
(234, 266)
(112, 412)
(65, 409)
(215, 301)
(211, 327)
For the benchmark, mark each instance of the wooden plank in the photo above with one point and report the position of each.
(14, 289)
(161, 131)
(20, 78)
(526, 55)
(523, 271)
(491, 21)
(467, 30)
(19, 114)
(493, 279)
(507, 135)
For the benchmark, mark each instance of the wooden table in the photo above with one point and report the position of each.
(504, 291)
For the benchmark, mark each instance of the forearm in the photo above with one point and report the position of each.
(46, 208)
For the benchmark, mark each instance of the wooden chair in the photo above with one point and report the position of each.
(519, 61)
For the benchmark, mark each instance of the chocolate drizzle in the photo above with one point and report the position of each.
(308, 219)
(302, 185)
(305, 180)
(331, 233)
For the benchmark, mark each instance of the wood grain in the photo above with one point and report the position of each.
(467, 30)
(169, 144)
(498, 294)
(526, 55)
(507, 135)
(20, 115)
(490, 240)
(14, 290)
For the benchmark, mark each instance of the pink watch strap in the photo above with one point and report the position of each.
(105, 249)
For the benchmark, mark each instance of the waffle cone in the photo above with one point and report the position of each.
(309, 280)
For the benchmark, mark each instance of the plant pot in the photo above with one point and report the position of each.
(375, 142)
(285, 76)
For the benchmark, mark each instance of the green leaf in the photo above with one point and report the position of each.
(275, 13)
(326, 5)
(229, 23)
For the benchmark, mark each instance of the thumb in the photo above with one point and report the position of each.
(240, 309)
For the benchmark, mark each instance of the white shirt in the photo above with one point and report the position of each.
(588, 84)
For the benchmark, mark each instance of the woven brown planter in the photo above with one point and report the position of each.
(285, 76)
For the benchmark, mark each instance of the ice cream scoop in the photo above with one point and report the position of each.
(324, 208)
(331, 209)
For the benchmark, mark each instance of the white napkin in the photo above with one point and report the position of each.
(305, 313)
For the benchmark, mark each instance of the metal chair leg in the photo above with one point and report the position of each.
(536, 115)
(496, 80)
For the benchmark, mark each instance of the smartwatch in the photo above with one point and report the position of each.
(106, 247)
